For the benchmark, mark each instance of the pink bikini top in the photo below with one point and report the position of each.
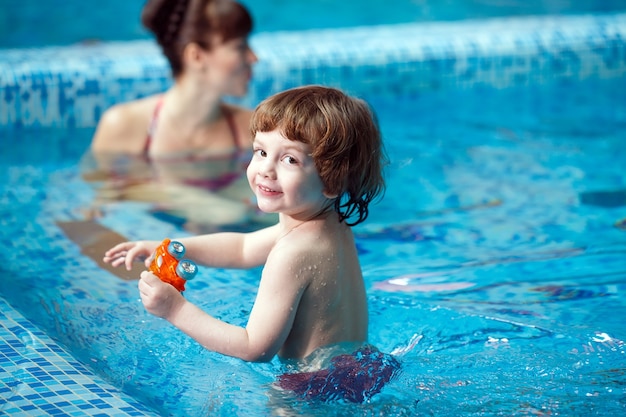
(211, 184)
(155, 119)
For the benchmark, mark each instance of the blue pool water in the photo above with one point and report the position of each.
(33, 23)
(495, 265)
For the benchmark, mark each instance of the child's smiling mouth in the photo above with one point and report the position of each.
(266, 190)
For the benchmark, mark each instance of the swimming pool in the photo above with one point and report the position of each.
(482, 250)
(31, 23)
(495, 263)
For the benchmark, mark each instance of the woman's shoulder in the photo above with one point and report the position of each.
(241, 118)
(123, 127)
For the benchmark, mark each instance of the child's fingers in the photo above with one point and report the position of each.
(120, 247)
(148, 260)
(119, 260)
(149, 278)
(114, 258)
(126, 253)
(132, 254)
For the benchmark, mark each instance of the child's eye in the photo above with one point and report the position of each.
(260, 152)
(290, 160)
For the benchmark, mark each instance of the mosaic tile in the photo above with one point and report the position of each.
(72, 86)
(38, 378)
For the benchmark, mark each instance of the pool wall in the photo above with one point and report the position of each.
(72, 86)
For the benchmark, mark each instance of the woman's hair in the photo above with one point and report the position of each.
(177, 23)
(344, 136)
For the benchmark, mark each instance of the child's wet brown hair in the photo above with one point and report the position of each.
(344, 136)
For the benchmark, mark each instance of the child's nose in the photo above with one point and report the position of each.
(267, 168)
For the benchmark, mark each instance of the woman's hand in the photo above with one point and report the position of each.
(159, 298)
(126, 253)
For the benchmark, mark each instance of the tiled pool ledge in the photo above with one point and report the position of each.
(38, 378)
(71, 86)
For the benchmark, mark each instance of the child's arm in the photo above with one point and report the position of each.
(282, 285)
(231, 250)
(219, 250)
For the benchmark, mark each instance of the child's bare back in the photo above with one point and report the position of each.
(321, 256)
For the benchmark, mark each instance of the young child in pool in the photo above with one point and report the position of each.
(317, 162)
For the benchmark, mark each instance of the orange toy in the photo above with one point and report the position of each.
(168, 264)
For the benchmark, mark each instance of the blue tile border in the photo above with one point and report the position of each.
(409, 58)
(72, 86)
(39, 378)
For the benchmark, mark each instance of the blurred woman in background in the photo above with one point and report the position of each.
(206, 45)
(184, 148)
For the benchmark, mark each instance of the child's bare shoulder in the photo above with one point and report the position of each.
(307, 245)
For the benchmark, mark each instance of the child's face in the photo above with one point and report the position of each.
(283, 176)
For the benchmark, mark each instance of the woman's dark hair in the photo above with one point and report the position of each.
(177, 23)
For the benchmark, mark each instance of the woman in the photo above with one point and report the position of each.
(205, 42)
(185, 148)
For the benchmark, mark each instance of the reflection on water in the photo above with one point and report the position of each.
(199, 195)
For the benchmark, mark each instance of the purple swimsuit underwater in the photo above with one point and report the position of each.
(352, 377)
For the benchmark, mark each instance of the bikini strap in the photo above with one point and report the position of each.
(152, 125)
(228, 114)
(230, 119)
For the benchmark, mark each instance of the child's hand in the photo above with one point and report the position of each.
(126, 253)
(158, 297)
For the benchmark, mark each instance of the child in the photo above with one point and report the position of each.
(317, 162)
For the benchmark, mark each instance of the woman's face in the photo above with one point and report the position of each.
(229, 66)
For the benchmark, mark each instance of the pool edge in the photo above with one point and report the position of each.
(72, 86)
(39, 377)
